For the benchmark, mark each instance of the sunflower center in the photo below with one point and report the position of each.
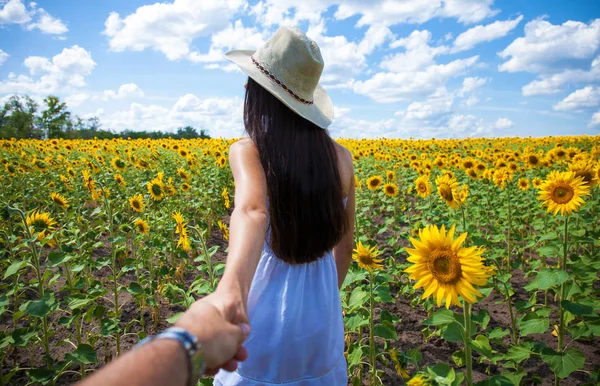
(587, 176)
(156, 189)
(562, 194)
(366, 259)
(533, 160)
(444, 266)
(422, 188)
(136, 204)
(446, 193)
(120, 164)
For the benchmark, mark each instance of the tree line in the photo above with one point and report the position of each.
(24, 118)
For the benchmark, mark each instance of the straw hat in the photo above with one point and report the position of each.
(289, 66)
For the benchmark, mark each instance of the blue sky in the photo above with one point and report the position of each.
(393, 68)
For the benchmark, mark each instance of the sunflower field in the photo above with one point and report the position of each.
(476, 260)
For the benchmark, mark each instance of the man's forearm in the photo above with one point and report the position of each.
(160, 362)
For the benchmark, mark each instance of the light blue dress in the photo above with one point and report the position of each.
(297, 328)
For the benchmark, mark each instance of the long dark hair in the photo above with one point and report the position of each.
(307, 215)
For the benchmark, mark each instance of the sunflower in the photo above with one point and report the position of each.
(224, 230)
(10, 169)
(585, 169)
(357, 183)
(225, 195)
(41, 222)
(221, 162)
(367, 257)
(562, 192)
(390, 189)
(523, 183)
(418, 380)
(443, 268)
(390, 175)
(156, 189)
(120, 180)
(447, 188)
(137, 203)
(373, 183)
(183, 174)
(463, 194)
(501, 177)
(537, 182)
(59, 200)
(422, 186)
(118, 164)
(532, 160)
(141, 226)
(184, 187)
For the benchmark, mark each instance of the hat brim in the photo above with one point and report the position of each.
(320, 112)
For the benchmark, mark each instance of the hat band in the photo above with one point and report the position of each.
(280, 83)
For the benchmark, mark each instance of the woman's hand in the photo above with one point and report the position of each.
(215, 320)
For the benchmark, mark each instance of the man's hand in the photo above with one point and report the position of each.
(214, 321)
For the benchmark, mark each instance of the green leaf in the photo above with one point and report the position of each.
(385, 332)
(22, 336)
(498, 333)
(39, 308)
(518, 353)
(563, 363)
(79, 301)
(84, 355)
(576, 308)
(57, 258)
(357, 298)
(514, 377)
(13, 268)
(482, 318)
(135, 288)
(355, 321)
(383, 294)
(533, 324)
(496, 380)
(174, 318)
(454, 332)
(458, 357)
(547, 278)
(42, 376)
(481, 344)
(441, 317)
(355, 356)
(387, 316)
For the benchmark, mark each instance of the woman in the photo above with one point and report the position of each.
(291, 232)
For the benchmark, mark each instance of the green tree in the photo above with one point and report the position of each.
(18, 118)
(56, 119)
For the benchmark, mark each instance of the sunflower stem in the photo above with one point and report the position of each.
(468, 353)
(561, 311)
(371, 331)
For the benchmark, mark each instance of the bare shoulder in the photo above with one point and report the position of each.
(244, 148)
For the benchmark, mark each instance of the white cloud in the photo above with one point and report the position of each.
(552, 84)
(430, 112)
(235, 36)
(481, 33)
(391, 12)
(579, 100)
(66, 71)
(76, 99)
(595, 121)
(47, 23)
(389, 87)
(219, 116)
(14, 12)
(126, 90)
(503, 123)
(470, 84)
(546, 47)
(3, 57)
(418, 53)
(169, 28)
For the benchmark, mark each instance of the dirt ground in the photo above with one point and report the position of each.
(435, 350)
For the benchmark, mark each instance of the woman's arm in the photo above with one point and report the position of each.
(248, 223)
(342, 252)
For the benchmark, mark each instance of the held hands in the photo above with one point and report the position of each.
(220, 327)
